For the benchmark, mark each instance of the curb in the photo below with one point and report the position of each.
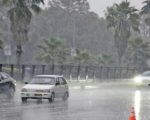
(128, 84)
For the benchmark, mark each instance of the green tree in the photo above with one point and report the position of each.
(1, 43)
(103, 59)
(138, 52)
(82, 57)
(53, 51)
(91, 33)
(123, 19)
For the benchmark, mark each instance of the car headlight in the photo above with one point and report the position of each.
(24, 90)
(138, 79)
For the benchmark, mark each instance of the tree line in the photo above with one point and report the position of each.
(94, 40)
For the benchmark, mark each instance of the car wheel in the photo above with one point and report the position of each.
(24, 99)
(10, 92)
(65, 96)
(51, 99)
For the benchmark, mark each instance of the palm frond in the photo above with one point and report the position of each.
(35, 8)
(146, 7)
(1, 44)
(5, 2)
(43, 47)
(37, 1)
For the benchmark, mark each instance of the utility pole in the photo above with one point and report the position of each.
(7, 44)
(18, 54)
(73, 46)
(74, 38)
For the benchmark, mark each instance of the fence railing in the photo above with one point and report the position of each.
(72, 72)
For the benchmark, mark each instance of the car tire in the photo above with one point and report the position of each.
(10, 92)
(51, 99)
(24, 99)
(65, 96)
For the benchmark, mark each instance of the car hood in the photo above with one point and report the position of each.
(39, 87)
(143, 77)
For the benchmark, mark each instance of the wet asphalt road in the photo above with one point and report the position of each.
(108, 102)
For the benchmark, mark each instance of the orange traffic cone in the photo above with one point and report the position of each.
(132, 114)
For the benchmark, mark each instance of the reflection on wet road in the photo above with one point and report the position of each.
(105, 103)
(137, 103)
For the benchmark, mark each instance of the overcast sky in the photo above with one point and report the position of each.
(99, 6)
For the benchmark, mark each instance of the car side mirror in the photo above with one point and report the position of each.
(25, 82)
(3, 78)
(57, 83)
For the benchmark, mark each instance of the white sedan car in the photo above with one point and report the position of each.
(142, 79)
(45, 87)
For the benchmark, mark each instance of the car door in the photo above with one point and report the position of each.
(4, 82)
(64, 86)
(57, 88)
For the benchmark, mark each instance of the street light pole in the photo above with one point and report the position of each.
(74, 38)
(73, 46)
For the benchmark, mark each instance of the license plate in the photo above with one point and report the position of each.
(38, 94)
(39, 90)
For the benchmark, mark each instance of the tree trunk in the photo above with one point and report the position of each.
(120, 60)
(18, 55)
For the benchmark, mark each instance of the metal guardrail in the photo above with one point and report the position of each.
(72, 72)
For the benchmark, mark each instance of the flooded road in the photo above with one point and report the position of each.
(103, 103)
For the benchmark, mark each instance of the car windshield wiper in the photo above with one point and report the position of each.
(42, 83)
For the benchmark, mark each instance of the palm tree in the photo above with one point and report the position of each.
(103, 59)
(82, 57)
(123, 19)
(20, 14)
(138, 52)
(146, 11)
(1, 42)
(53, 50)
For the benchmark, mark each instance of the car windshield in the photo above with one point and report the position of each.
(147, 73)
(43, 80)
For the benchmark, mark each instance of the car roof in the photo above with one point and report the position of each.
(48, 76)
(4, 73)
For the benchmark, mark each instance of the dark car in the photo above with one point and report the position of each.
(7, 84)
